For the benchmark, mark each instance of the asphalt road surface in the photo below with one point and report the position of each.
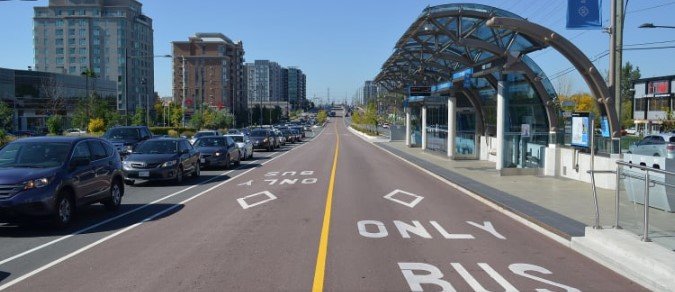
(334, 213)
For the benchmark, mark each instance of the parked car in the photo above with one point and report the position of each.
(280, 136)
(233, 132)
(262, 139)
(162, 159)
(53, 176)
(204, 133)
(125, 139)
(244, 144)
(662, 145)
(300, 130)
(290, 137)
(218, 151)
(74, 132)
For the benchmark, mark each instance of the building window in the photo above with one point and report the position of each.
(97, 41)
(83, 42)
(83, 32)
(58, 31)
(59, 23)
(83, 51)
(71, 12)
(83, 60)
(71, 32)
(72, 70)
(71, 51)
(659, 104)
(82, 12)
(59, 51)
(58, 42)
(71, 41)
(72, 60)
(640, 104)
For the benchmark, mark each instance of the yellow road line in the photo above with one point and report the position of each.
(320, 268)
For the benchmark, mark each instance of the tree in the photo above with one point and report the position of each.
(6, 116)
(321, 117)
(55, 124)
(80, 118)
(159, 112)
(370, 116)
(176, 116)
(138, 118)
(628, 76)
(96, 125)
(53, 90)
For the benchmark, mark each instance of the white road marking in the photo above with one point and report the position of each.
(25, 276)
(411, 204)
(248, 183)
(152, 217)
(245, 205)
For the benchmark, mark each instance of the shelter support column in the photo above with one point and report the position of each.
(501, 119)
(407, 126)
(424, 127)
(452, 127)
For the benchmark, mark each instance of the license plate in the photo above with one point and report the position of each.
(202, 160)
(144, 174)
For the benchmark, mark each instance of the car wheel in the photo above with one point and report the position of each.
(65, 209)
(113, 203)
(197, 172)
(238, 161)
(129, 182)
(179, 176)
(227, 162)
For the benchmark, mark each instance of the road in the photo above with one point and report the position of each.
(335, 213)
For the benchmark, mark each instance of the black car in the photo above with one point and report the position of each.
(162, 159)
(263, 139)
(53, 176)
(125, 139)
(218, 151)
(300, 129)
(290, 137)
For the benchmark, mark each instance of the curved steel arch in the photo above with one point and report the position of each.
(588, 71)
(432, 43)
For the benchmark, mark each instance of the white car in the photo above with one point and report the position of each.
(660, 145)
(244, 144)
(203, 134)
(75, 132)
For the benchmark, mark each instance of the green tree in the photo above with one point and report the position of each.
(176, 115)
(6, 116)
(159, 112)
(80, 118)
(55, 124)
(138, 119)
(370, 116)
(197, 120)
(321, 117)
(628, 76)
(114, 118)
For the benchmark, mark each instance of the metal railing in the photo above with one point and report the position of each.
(648, 183)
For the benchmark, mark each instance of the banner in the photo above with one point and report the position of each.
(584, 14)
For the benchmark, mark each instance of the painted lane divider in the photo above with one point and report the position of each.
(416, 199)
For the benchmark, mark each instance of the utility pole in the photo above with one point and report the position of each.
(184, 91)
(615, 63)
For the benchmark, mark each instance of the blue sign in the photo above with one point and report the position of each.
(467, 81)
(462, 74)
(584, 14)
(441, 87)
(604, 127)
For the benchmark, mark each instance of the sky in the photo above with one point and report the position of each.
(340, 44)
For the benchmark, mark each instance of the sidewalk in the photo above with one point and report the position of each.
(563, 208)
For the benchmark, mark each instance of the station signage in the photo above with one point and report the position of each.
(419, 90)
(581, 132)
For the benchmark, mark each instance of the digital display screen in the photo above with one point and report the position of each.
(581, 130)
(658, 87)
(420, 91)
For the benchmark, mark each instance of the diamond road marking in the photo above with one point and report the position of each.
(245, 205)
(410, 204)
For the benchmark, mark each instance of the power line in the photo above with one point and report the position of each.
(650, 8)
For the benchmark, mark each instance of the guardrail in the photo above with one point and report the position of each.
(648, 183)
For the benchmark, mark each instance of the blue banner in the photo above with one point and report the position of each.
(584, 14)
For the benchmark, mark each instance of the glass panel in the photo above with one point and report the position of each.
(465, 141)
(415, 126)
(437, 128)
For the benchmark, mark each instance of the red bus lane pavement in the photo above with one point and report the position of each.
(258, 232)
(396, 228)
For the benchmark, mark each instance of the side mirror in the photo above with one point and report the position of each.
(79, 161)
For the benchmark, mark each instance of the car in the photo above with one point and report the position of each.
(262, 139)
(126, 138)
(290, 137)
(280, 136)
(660, 145)
(233, 132)
(51, 177)
(297, 137)
(301, 131)
(74, 132)
(162, 159)
(244, 144)
(204, 133)
(218, 151)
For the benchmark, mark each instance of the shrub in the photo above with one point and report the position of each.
(55, 124)
(96, 125)
(172, 133)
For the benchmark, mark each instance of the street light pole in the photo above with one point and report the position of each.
(651, 25)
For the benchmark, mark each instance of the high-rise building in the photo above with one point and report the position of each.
(264, 81)
(369, 92)
(297, 93)
(111, 38)
(208, 71)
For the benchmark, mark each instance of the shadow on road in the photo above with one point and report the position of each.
(86, 217)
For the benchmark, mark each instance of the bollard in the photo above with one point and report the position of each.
(645, 235)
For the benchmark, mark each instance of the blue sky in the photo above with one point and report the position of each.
(339, 44)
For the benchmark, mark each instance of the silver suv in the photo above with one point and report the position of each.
(660, 145)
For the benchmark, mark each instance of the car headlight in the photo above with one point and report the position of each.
(129, 148)
(36, 183)
(217, 154)
(265, 140)
(126, 163)
(169, 163)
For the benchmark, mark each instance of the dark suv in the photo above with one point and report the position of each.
(125, 139)
(52, 176)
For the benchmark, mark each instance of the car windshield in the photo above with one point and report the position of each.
(123, 134)
(211, 142)
(237, 138)
(158, 147)
(204, 134)
(259, 133)
(34, 154)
